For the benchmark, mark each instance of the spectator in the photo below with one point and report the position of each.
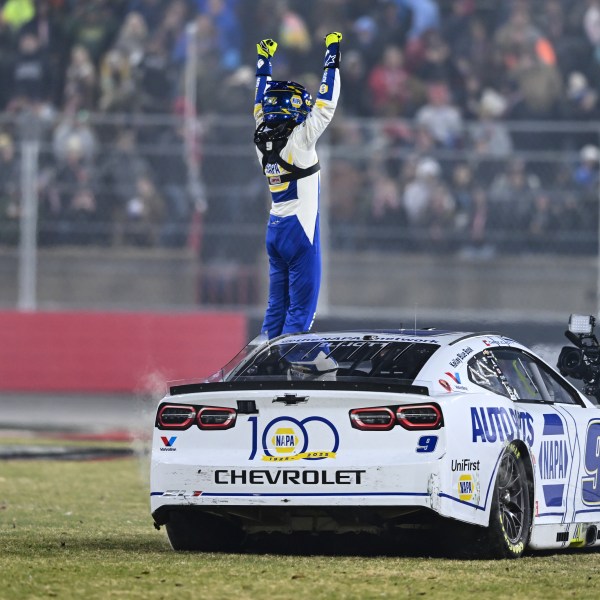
(144, 214)
(121, 167)
(476, 235)
(92, 24)
(418, 194)
(366, 40)
(156, 80)
(355, 100)
(591, 26)
(489, 135)
(512, 196)
(586, 175)
(117, 83)
(76, 204)
(386, 202)
(393, 91)
(425, 16)
(151, 11)
(226, 25)
(172, 23)
(132, 39)
(437, 64)
(542, 225)
(540, 88)
(473, 51)
(581, 99)
(30, 75)
(440, 218)
(440, 117)
(517, 37)
(10, 176)
(71, 127)
(80, 87)
(171, 177)
(294, 36)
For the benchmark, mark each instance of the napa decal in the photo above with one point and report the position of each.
(553, 460)
(287, 439)
(467, 488)
(492, 424)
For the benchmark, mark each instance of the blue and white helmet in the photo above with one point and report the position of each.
(285, 101)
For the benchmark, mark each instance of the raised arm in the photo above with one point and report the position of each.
(265, 49)
(329, 92)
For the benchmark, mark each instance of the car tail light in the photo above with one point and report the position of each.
(419, 416)
(210, 417)
(172, 416)
(372, 418)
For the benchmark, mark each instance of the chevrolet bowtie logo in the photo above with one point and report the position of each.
(289, 399)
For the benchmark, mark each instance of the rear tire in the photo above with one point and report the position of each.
(510, 515)
(199, 532)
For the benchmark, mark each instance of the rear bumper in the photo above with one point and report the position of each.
(183, 485)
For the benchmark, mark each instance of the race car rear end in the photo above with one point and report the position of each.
(237, 458)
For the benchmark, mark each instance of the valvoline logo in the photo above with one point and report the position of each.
(168, 443)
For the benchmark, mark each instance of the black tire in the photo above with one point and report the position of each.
(510, 516)
(199, 532)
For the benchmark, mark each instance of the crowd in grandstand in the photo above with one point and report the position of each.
(445, 78)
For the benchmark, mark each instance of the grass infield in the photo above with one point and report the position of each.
(83, 530)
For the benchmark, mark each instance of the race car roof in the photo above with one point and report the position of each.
(433, 336)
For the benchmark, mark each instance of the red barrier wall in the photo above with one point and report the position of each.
(113, 352)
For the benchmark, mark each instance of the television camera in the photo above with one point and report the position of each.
(582, 361)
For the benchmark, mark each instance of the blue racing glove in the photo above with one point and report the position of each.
(265, 49)
(332, 55)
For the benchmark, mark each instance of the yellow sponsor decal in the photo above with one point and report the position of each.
(312, 454)
(323, 89)
(466, 487)
(296, 101)
(285, 440)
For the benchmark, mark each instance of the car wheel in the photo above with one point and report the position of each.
(193, 531)
(510, 516)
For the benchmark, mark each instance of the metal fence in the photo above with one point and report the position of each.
(115, 183)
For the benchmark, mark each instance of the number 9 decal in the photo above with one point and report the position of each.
(427, 443)
(590, 486)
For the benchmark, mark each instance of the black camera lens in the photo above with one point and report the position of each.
(570, 362)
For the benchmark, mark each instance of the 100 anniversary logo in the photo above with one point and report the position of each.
(287, 439)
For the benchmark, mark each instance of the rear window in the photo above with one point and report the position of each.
(337, 361)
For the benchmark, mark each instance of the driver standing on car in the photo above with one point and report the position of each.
(288, 127)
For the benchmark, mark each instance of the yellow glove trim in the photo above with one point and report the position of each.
(266, 47)
(333, 38)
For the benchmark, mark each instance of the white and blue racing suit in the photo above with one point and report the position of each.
(292, 237)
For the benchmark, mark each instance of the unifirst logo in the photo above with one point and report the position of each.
(285, 440)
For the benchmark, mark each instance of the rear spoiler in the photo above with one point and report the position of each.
(348, 386)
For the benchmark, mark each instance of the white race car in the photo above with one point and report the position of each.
(380, 431)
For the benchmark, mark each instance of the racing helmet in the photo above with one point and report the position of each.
(286, 101)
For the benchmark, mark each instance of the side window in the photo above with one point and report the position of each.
(521, 373)
(518, 376)
(484, 371)
(557, 390)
